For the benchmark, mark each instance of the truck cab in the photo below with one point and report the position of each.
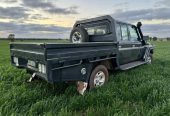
(130, 39)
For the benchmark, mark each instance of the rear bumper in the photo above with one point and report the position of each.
(73, 73)
(22, 64)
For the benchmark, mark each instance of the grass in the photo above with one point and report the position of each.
(144, 90)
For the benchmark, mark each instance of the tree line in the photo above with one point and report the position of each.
(159, 39)
(11, 37)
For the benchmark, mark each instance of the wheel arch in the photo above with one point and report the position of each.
(109, 64)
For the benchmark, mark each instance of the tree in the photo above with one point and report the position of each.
(168, 39)
(150, 38)
(155, 38)
(11, 37)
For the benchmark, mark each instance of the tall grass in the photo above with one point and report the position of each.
(144, 90)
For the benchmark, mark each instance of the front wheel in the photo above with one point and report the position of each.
(148, 57)
(99, 77)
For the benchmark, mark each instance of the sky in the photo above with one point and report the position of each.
(55, 18)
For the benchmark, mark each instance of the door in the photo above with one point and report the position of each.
(129, 45)
(137, 47)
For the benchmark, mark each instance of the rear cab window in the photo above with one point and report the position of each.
(97, 28)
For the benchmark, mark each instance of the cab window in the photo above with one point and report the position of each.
(97, 30)
(119, 33)
(133, 33)
(124, 31)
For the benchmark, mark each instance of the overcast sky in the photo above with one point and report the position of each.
(55, 18)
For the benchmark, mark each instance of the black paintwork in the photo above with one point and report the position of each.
(64, 62)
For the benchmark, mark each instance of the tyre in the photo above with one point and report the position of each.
(79, 35)
(148, 57)
(99, 77)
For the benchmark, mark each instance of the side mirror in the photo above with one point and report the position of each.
(145, 38)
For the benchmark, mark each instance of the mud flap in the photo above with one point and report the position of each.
(81, 87)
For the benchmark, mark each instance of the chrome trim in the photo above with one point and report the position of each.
(130, 48)
(26, 51)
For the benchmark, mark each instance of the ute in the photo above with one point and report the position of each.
(99, 45)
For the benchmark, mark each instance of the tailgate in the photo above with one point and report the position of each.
(30, 56)
(30, 51)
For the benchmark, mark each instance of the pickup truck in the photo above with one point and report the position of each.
(98, 45)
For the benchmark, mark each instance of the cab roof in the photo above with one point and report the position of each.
(105, 17)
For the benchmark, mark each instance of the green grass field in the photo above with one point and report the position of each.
(144, 90)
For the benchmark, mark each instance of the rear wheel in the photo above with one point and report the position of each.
(99, 77)
(79, 35)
